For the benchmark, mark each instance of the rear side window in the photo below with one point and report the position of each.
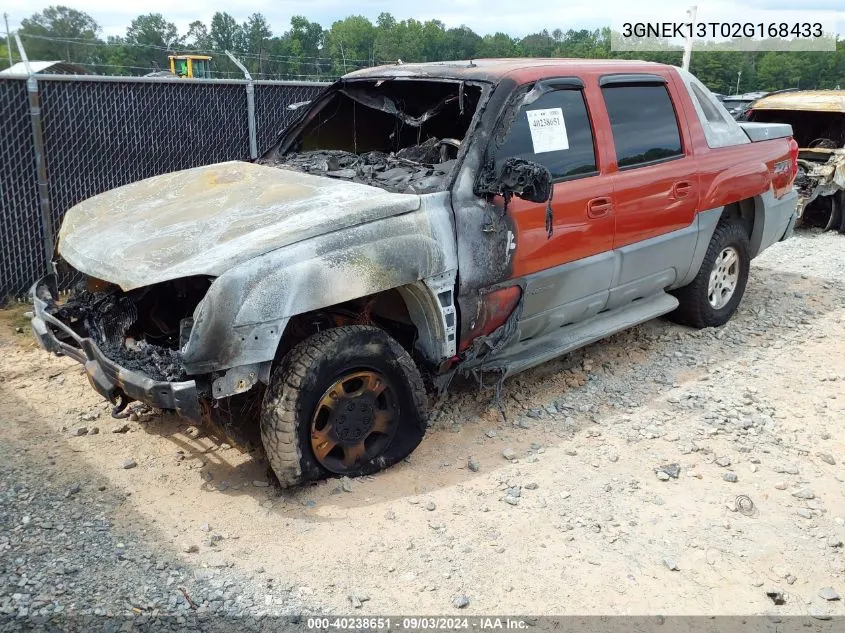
(643, 122)
(554, 130)
(710, 111)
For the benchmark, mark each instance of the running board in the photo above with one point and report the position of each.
(526, 354)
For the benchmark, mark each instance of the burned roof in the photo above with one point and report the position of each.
(487, 69)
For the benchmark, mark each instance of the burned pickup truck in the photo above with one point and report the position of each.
(416, 221)
(817, 118)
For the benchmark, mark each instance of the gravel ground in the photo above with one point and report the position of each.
(664, 470)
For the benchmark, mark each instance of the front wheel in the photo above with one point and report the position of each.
(346, 401)
(713, 296)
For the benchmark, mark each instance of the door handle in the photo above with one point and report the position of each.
(599, 207)
(681, 189)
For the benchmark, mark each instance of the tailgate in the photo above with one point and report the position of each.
(765, 131)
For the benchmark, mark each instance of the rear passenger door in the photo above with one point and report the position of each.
(567, 277)
(655, 187)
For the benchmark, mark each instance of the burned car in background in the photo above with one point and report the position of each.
(416, 221)
(817, 118)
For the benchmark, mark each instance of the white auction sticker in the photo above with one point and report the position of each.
(548, 131)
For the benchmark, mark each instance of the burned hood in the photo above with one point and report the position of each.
(204, 221)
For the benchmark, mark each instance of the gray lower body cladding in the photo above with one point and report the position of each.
(772, 219)
(572, 305)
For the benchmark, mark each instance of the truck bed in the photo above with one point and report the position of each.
(765, 131)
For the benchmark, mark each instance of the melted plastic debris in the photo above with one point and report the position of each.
(106, 317)
(158, 363)
(421, 168)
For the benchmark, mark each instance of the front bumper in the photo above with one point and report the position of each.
(108, 378)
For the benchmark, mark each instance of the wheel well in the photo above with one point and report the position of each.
(386, 310)
(741, 212)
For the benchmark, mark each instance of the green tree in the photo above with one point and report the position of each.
(152, 30)
(198, 37)
(308, 34)
(462, 43)
(399, 40)
(226, 34)
(256, 35)
(538, 44)
(498, 45)
(434, 41)
(115, 57)
(149, 39)
(307, 50)
(295, 53)
(777, 70)
(349, 43)
(59, 32)
(4, 53)
(583, 43)
(387, 45)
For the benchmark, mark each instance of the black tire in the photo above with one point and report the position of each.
(302, 381)
(695, 308)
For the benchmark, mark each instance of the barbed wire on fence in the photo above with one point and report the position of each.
(264, 65)
(264, 76)
(200, 51)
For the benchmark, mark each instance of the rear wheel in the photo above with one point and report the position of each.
(713, 296)
(346, 401)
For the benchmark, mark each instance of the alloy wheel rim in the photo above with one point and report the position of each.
(724, 278)
(354, 421)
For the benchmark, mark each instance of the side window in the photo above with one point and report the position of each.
(710, 111)
(554, 130)
(643, 122)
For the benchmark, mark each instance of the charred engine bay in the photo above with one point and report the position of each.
(141, 330)
(400, 135)
(419, 169)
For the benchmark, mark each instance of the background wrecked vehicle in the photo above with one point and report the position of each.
(817, 118)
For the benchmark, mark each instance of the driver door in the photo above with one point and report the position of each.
(568, 275)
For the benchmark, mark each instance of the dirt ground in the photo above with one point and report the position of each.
(749, 417)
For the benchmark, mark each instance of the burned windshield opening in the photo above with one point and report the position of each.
(400, 135)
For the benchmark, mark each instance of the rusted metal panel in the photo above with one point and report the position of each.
(809, 100)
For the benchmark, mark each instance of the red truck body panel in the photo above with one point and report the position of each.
(644, 202)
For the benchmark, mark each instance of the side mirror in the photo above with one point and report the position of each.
(521, 178)
(524, 179)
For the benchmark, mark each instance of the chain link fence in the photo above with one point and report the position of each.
(103, 132)
(21, 231)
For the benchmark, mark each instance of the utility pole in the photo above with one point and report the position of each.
(688, 44)
(738, 76)
(8, 38)
(343, 55)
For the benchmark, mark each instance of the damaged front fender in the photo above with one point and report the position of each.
(244, 314)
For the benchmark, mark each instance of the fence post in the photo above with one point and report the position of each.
(250, 106)
(40, 166)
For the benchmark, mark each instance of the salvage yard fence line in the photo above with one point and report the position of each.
(66, 138)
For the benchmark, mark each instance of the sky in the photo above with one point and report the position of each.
(483, 16)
